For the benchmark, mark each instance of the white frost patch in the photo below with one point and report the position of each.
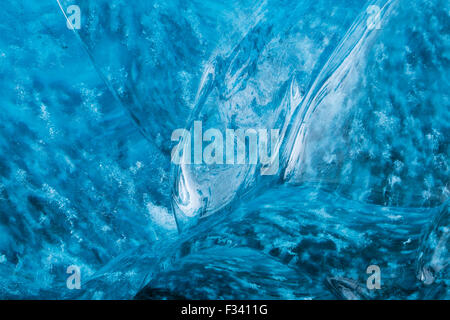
(44, 113)
(137, 167)
(395, 217)
(323, 213)
(161, 216)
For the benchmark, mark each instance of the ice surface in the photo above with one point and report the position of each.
(86, 177)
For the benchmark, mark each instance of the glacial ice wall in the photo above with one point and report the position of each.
(86, 176)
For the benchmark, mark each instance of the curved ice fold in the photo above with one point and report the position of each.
(228, 98)
(347, 289)
(434, 258)
(337, 77)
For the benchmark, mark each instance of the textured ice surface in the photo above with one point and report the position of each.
(85, 171)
